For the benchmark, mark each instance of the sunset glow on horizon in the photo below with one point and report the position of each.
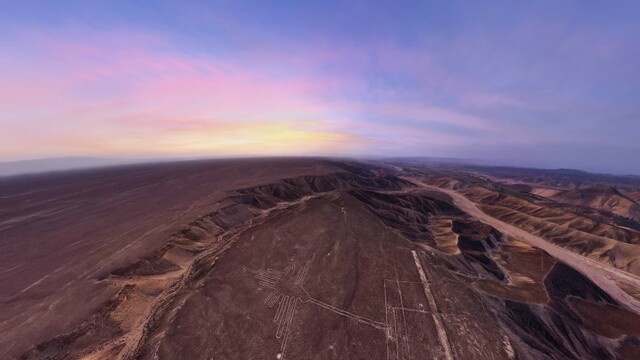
(534, 85)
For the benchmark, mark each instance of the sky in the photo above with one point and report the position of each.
(538, 83)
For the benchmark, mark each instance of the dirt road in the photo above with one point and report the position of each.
(604, 276)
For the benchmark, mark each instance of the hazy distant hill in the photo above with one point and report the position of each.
(56, 164)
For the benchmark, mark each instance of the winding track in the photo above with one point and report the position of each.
(607, 278)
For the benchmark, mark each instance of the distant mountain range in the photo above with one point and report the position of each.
(58, 164)
(23, 167)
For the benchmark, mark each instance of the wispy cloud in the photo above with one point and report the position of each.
(402, 78)
(138, 97)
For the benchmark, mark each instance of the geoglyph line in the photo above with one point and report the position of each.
(268, 299)
(395, 333)
(266, 284)
(302, 274)
(386, 318)
(442, 334)
(288, 326)
(285, 313)
(287, 302)
(404, 320)
(362, 319)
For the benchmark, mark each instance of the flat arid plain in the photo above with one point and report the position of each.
(312, 258)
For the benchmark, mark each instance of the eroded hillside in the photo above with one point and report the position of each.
(366, 262)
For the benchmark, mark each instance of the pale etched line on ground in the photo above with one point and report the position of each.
(394, 281)
(302, 274)
(280, 308)
(266, 279)
(392, 330)
(138, 335)
(442, 334)
(296, 280)
(386, 317)
(395, 334)
(289, 269)
(283, 346)
(274, 299)
(362, 319)
(406, 281)
(413, 310)
(269, 298)
(404, 352)
(267, 285)
(306, 273)
(287, 303)
(283, 316)
(431, 312)
(274, 274)
(404, 320)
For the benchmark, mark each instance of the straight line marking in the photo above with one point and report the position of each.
(442, 334)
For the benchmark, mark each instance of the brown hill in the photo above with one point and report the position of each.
(602, 197)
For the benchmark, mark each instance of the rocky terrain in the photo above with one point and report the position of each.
(313, 259)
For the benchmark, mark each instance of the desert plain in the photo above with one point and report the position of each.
(315, 258)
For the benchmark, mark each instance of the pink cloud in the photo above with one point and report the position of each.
(95, 91)
(81, 90)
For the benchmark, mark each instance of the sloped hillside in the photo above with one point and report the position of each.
(603, 197)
